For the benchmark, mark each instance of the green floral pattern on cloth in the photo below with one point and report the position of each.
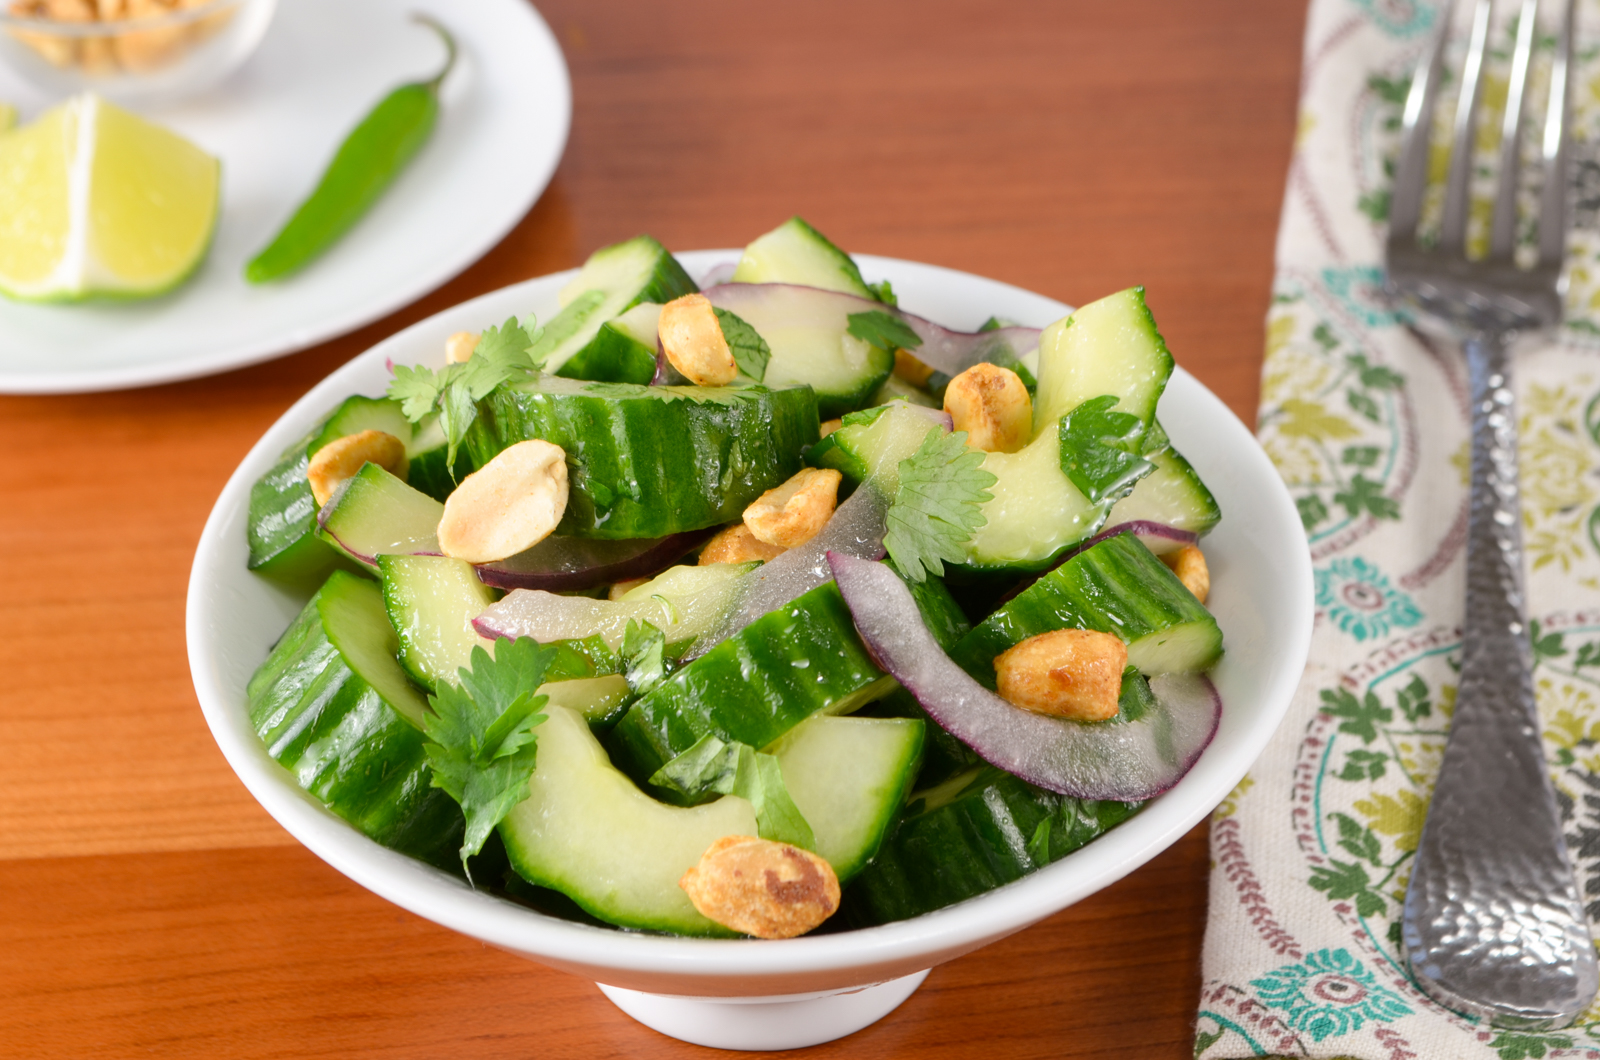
(1366, 421)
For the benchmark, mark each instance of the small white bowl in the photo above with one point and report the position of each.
(762, 994)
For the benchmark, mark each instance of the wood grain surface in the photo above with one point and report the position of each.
(148, 906)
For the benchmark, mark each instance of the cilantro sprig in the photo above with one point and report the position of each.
(480, 738)
(715, 766)
(1102, 450)
(750, 351)
(937, 506)
(454, 391)
(883, 330)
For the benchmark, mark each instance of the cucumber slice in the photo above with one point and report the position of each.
(429, 469)
(282, 519)
(623, 350)
(799, 660)
(333, 706)
(1108, 347)
(652, 461)
(613, 280)
(587, 831)
(971, 834)
(872, 444)
(1172, 495)
(896, 389)
(376, 514)
(1116, 586)
(849, 778)
(683, 602)
(794, 252)
(1036, 513)
(808, 332)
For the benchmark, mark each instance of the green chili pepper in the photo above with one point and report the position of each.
(369, 159)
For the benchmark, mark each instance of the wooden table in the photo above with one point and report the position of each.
(148, 906)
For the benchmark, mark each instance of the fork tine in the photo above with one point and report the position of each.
(1503, 230)
(1553, 200)
(1458, 185)
(1411, 172)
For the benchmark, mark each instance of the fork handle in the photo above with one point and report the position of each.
(1493, 925)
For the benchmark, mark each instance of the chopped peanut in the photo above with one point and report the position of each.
(992, 405)
(736, 544)
(506, 506)
(1071, 673)
(828, 427)
(791, 514)
(622, 588)
(458, 347)
(337, 462)
(693, 341)
(762, 888)
(1189, 564)
(910, 369)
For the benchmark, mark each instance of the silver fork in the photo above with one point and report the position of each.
(1493, 925)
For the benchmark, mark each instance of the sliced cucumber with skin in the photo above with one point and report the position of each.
(896, 389)
(872, 445)
(334, 707)
(799, 660)
(971, 834)
(622, 351)
(1110, 346)
(658, 460)
(796, 253)
(1172, 495)
(808, 331)
(429, 467)
(1116, 586)
(376, 514)
(282, 520)
(587, 831)
(612, 281)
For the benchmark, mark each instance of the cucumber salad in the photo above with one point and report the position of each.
(749, 610)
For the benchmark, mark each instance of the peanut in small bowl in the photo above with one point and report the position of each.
(130, 50)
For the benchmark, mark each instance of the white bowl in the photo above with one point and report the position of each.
(1261, 595)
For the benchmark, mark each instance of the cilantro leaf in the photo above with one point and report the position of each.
(883, 330)
(713, 765)
(1101, 449)
(480, 739)
(750, 350)
(937, 505)
(883, 291)
(643, 656)
(417, 389)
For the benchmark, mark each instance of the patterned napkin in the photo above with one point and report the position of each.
(1367, 423)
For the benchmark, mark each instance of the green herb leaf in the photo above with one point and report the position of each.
(480, 739)
(883, 291)
(883, 330)
(937, 506)
(417, 389)
(1100, 449)
(713, 765)
(750, 350)
(643, 655)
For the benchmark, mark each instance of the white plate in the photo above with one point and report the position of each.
(275, 123)
(1261, 595)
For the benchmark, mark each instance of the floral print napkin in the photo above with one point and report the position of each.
(1367, 423)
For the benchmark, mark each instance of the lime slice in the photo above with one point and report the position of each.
(97, 202)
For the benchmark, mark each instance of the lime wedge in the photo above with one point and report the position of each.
(97, 202)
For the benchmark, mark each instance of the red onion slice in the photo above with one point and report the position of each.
(944, 350)
(1125, 761)
(559, 563)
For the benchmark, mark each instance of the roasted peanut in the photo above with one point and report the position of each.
(506, 506)
(1189, 564)
(828, 427)
(736, 544)
(337, 462)
(1071, 673)
(762, 888)
(693, 341)
(992, 405)
(910, 369)
(791, 514)
(459, 347)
